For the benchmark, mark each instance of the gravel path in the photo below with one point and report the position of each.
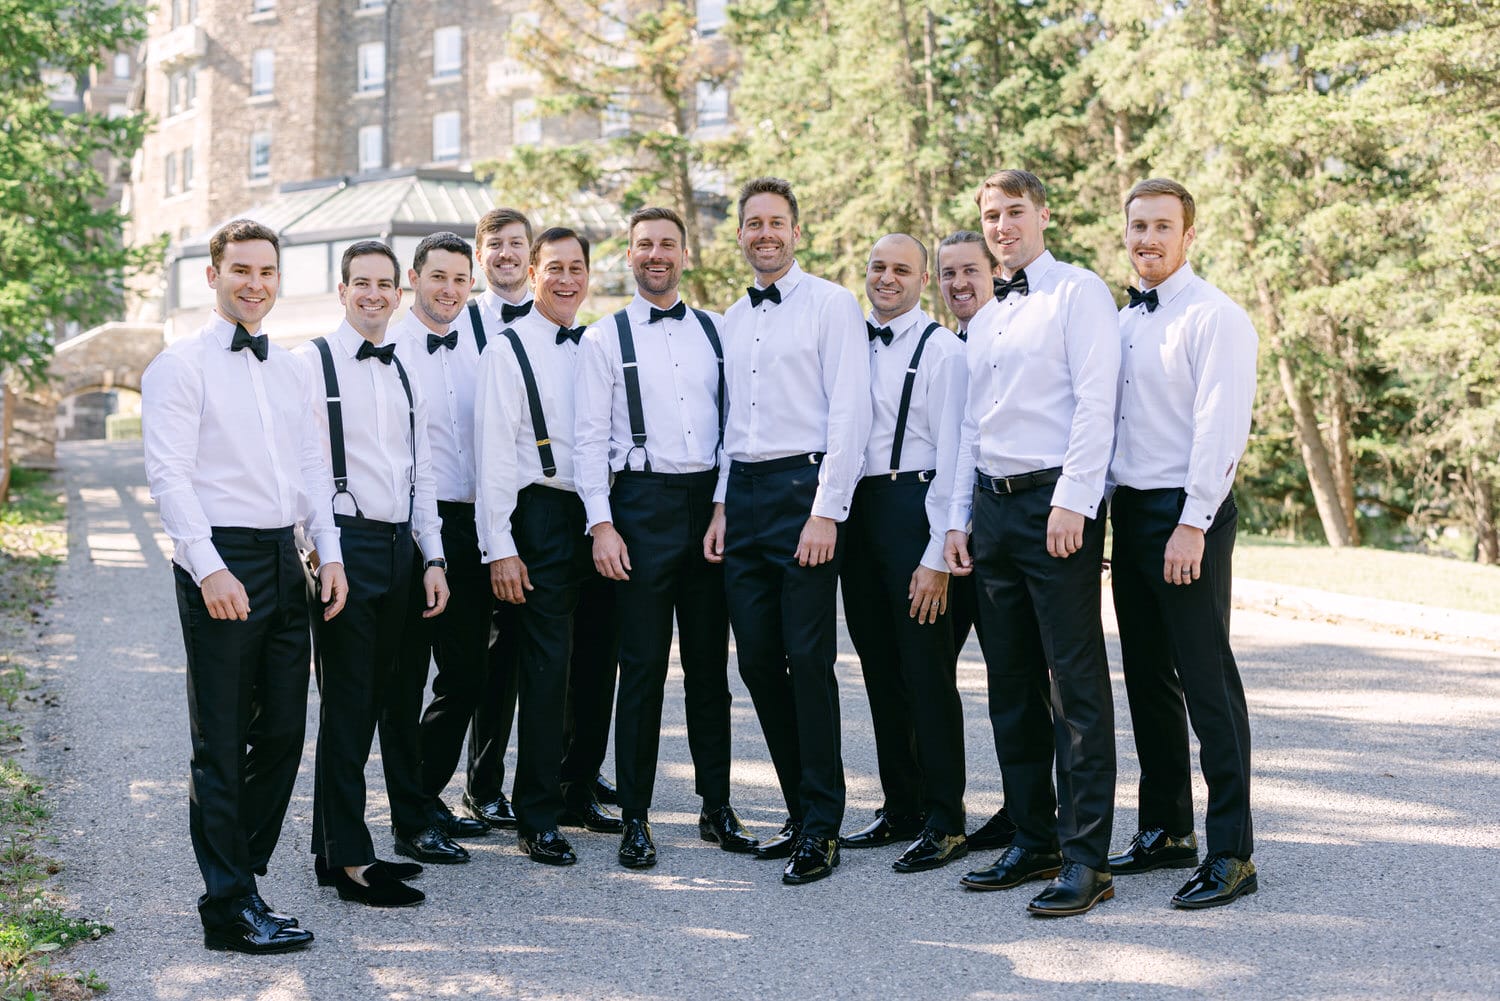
(1376, 797)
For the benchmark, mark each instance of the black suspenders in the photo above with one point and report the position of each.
(633, 384)
(476, 320)
(534, 401)
(336, 428)
(905, 409)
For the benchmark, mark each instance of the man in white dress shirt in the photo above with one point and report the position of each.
(234, 464)
(531, 520)
(1038, 431)
(373, 420)
(649, 417)
(1187, 386)
(894, 579)
(797, 365)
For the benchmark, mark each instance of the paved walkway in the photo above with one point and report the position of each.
(1376, 797)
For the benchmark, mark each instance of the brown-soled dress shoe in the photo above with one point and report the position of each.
(590, 816)
(1016, 866)
(546, 847)
(997, 832)
(932, 850)
(245, 925)
(813, 859)
(458, 827)
(1076, 889)
(637, 849)
(1155, 849)
(396, 870)
(380, 889)
(431, 845)
(780, 844)
(724, 828)
(885, 829)
(1220, 879)
(498, 813)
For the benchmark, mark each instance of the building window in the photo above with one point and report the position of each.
(262, 72)
(368, 4)
(371, 155)
(711, 16)
(123, 65)
(182, 91)
(187, 168)
(713, 105)
(117, 109)
(371, 68)
(614, 122)
(169, 175)
(260, 155)
(525, 126)
(445, 141)
(447, 52)
(262, 6)
(184, 12)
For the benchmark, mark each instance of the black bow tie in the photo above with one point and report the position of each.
(884, 333)
(383, 354)
(1016, 284)
(569, 334)
(758, 296)
(509, 312)
(257, 343)
(677, 312)
(1148, 299)
(448, 340)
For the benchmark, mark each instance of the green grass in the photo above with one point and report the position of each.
(33, 541)
(1371, 573)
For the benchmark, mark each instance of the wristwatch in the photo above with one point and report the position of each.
(440, 563)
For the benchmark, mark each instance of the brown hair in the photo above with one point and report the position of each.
(768, 186)
(451, 242)
(1165, 186)
(1015, 183)
(365, 248)
(241, 231)
(558, 234)
(651, 213)
(495, 220)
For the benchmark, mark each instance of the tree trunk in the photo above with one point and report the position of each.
(1340, 438)
(1486, 516)
(1315, 456)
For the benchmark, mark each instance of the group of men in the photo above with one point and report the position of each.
(528, 504)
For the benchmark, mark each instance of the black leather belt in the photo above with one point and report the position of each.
(910, 476)
(776, 465)
(1016, 484)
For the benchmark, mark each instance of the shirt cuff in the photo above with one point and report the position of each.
(496, 547)
(203, 559)
(329, 549)
(1198, 513)
(432, 546)
(932, 558)
(959, 516)
(1075, 497)
(596, 510)
(830, 504)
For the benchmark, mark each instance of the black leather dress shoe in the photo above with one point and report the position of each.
(380, 889)
(285, 920)
(932, 850)
(547, 847)
(724, 828)
(246, 926)
(780, 844)
(605, 791)
(498, 813)
(887, 828)
(1076, 889)
(813, 859)
(637, 850)
(1155, 849)
(431, 845)
(396, 870)
(458, 827)
(1014, 867)
(1218, 880)
(997, 832)
(590, 816)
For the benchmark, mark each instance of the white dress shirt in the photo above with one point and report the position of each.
(490, 305)
(377, 439)
(503, 435)
(798, 378)
(229, 445)
(447, 377)
(1187, 386)
(679, 380)
(934, 421)
(1042, 374)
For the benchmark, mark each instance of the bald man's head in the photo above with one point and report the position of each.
(896, 275)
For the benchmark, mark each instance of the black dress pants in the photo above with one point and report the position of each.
(247, 708)
(420, 750)
(1179, 666)
(785, 620)
(663, 518)
(495, 714)
(909, 668)
(357, 655)
(1049, 688)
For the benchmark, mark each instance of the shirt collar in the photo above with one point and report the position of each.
(492, 301)
(787, 282)
(901, 324)
(220, 329)
(639, 308)
(1037, 268)
(348, 339)
(1175, 283)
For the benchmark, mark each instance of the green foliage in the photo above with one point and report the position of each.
(61, 252)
